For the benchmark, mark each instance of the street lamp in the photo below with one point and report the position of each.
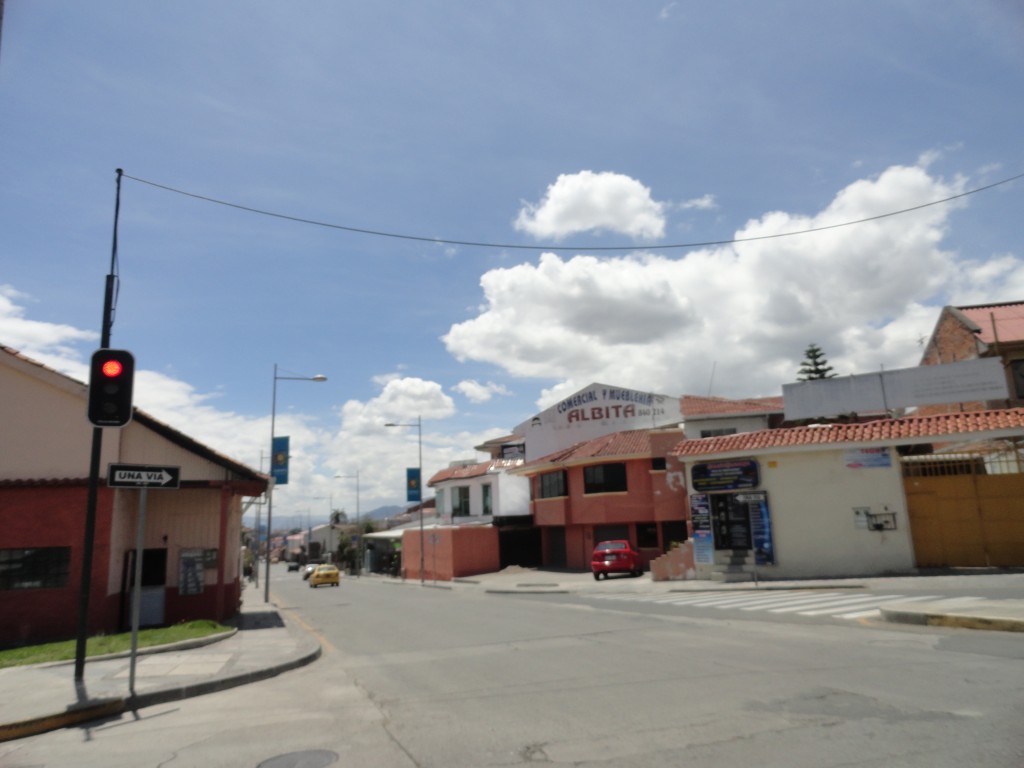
(419, 440)
(270, 489)
(359, 533)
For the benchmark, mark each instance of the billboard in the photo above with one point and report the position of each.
(966, 381)
(594, 411)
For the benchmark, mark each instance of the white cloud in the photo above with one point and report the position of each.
(735, 320)
(51, 344)
(702, 203)
(588, 201)
(476, 392)
(732, 320)
(360, 443)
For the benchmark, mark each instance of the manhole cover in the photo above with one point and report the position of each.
(314, 758)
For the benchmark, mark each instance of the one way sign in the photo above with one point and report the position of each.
(142, 476)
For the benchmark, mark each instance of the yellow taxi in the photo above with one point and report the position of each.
(325, 574)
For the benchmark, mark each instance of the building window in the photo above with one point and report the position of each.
(658, 464)
(718, 432)
(42, 568)
(673, 532)
(604, 478)
(460, 501)
(552, 484)
(486, 488)
(647, 535)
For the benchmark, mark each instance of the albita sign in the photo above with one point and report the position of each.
(597, 410)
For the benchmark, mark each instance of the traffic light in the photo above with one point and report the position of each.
(111, 374)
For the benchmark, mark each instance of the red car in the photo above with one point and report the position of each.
(615, 557)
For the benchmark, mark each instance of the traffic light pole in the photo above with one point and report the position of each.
(94, 462)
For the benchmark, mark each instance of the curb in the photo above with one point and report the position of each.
(94, 710)
(177, 693)
(925, 618)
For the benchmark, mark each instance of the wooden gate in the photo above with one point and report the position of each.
(966, 510)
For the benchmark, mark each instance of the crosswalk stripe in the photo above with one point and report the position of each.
(724, 602)
(851, 605)
(712, 599)
(804, 599)
(801, 602)
(876, 610)
(834, 604)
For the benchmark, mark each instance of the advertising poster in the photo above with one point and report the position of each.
(703, 539)
(760, 526)
(858, 458)
(279, 460)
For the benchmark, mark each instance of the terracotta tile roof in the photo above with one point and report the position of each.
(1008, 317)
(694, 406)
(473, 470)
(634, 443)
(912, 429)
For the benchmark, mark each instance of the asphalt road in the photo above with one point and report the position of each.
(435, 678)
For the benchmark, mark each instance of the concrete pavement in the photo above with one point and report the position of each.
(45, 697)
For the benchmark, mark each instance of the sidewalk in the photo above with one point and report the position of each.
(45, 697)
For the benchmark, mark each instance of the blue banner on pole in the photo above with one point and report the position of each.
(279, 460)
(412, 484)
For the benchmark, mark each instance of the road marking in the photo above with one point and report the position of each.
(803, 602)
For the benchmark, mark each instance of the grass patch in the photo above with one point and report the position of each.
(102, 645)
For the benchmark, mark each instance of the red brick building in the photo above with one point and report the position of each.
(192, 536)
(980, 331)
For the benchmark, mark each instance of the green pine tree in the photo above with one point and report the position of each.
(815, 365)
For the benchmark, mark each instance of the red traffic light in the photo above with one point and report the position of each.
(111, 375)
(112, 368)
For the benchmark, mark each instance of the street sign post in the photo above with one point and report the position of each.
(143, 476)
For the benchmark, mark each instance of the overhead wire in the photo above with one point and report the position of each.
(521, 246)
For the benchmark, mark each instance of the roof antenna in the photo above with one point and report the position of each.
(711, 380)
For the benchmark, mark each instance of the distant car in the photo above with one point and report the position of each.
(615, 557)
(293, 565)
(325, 574)
(310, 567)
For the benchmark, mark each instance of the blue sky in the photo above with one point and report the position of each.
(552, 130)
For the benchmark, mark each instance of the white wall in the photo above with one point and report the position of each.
(510, 495)
(44, 430)
(812, 496)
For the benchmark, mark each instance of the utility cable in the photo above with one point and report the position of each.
(519, 246)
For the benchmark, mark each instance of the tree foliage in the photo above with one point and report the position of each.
(815, 365)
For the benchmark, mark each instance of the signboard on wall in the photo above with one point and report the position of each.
(595, 411)
(861, 458)
(190, 572)
(966, 381)
(734, 475)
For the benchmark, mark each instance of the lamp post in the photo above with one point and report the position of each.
(270, 490)
(419, 440)
(359, 533)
